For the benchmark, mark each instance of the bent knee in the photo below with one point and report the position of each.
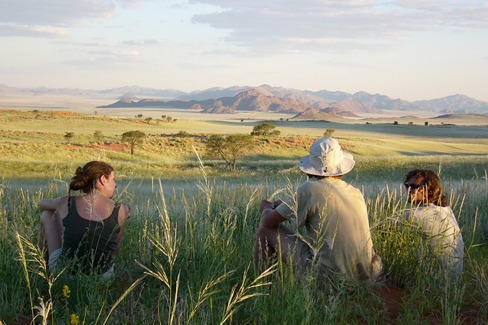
(47, 217)
(265, 232)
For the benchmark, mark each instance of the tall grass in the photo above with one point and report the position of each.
(185, 259)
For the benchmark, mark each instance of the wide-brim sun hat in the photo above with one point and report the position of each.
(327, 159)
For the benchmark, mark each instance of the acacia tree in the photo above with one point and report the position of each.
(68, 136)
(133, 138)
(265, 129)
(229, 148)
(329, 132)
(98, 135)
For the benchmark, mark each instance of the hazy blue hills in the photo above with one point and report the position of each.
(276, 99)
(261, 98)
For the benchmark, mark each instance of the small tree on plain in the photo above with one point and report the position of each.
(183, 134)
(68, 136)
(133, 138)
(230, 148)
(329, 132)
(265, 129)
(98, 135)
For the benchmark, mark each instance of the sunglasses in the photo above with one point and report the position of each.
(413, 186)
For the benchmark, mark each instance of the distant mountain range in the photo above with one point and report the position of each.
(265, 98)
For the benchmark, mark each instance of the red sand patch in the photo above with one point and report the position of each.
(67, 113)
(105, 146)
(112, 146)
(392, 298)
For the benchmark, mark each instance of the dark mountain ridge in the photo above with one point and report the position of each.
(269, 99)
(249, 100)
(275, 99)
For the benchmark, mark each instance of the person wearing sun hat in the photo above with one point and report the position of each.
(336, 240)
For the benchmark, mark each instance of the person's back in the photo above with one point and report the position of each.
(90, 242)
(337, 226)
(337, 238)
(431, 212)
(443, 233)
(87, 228)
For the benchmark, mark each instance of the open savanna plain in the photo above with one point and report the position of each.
(186, 255)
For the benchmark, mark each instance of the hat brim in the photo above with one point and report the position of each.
(346, 165)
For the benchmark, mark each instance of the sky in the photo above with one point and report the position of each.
(413, 50)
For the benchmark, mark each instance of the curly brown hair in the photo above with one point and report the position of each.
(85, 178)
(435, 191)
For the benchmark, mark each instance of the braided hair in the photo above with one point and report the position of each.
(85, 178)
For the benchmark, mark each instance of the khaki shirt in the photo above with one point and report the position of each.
(334, 216)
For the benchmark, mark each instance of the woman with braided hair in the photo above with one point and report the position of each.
(86, 228)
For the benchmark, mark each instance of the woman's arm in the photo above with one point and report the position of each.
(125, 212)
(53, 204)
(270, 218)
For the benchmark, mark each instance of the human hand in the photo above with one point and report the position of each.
(265, 204)
(128, 210)
(277, 202)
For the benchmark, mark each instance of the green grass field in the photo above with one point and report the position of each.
(186, 257)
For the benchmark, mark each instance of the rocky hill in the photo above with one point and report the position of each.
(263, 98)
(249, 100)
(325, 114)
(456, 103)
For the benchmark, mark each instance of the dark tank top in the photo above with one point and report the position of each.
(90, 243)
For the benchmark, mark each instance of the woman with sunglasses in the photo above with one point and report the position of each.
(431, 212)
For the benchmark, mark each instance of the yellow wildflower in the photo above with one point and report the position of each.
(74, 319)
(66, 291)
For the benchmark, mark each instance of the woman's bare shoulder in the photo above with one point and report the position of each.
(53, 204)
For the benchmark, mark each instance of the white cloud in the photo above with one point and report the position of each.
(386, 46)
(142, 42)
(48, 17)
(104, 59)
(53, 12)
(130, 3)
(273, 24)
(117, 53)
(14, 29)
